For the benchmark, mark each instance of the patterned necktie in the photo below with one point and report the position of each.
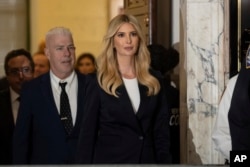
(65, 112)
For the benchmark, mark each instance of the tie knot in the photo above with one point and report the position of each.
(63, 84)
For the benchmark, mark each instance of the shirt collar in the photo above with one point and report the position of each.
(13, 95)
(55, 80)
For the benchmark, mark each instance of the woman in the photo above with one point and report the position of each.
(128, 122)
(86, 63)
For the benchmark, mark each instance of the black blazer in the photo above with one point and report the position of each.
(39, 136)
(112, 133)
(6, 127)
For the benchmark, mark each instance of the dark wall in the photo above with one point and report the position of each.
(238, 38)
(245, 14)
(164, 22)
(233, 37)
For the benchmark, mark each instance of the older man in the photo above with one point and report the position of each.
(52, 107)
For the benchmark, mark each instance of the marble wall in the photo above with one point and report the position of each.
(205, 49)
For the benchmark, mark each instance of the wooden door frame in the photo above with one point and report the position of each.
(152, 10)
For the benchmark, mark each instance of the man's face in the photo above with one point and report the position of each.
(19, 71)
(60, 51)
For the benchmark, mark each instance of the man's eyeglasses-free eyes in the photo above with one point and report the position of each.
(26, 71)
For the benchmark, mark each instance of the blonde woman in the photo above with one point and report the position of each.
(128, 122)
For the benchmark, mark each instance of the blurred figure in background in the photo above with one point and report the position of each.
(41, 47)
(165, 60)
(19, 67)
(42, 65)
(86, 63)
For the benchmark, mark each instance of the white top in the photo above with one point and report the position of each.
(221, 133)
(133, 92)
(71, 90)
(14, 103)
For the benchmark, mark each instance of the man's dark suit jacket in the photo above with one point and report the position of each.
(4, 84)
(113, 134)
(39, 136)
(239, 114)
(6, 127)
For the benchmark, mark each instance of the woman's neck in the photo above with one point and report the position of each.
(127, 68)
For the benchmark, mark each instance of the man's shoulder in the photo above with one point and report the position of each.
(234, 78)
(4, 93)
(4, 99)
(87, 78)
(36, 82)
(232, 81)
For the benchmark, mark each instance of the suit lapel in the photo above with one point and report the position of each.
(9, 108)
(125, 100)
(46, 88)
(143, 102)
(80, 101)
(6, 113)
(126, 103)
(47, 91)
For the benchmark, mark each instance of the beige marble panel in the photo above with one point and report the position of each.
(205, 45)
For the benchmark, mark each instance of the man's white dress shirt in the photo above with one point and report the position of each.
(221, 132)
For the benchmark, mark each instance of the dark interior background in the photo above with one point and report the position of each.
(241, 39)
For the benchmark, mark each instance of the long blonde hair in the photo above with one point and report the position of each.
(108, 75)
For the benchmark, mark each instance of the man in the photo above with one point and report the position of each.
(18, 66)
(221, 132)
(229, 126)
(238, 115)
(46, 133)
(41, 64)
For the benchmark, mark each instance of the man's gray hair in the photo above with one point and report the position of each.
(57, 30)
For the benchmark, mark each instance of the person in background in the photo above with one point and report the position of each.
(127, 123)
(86, 63)
(41, 64)
(19, 67)
(238, 115)
(164, 60)
(52, 106)
(221, 135)
(41, 46)
(221, 132)
(232, 124)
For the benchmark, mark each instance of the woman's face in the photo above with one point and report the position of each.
(86, 66)
(126, 40)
